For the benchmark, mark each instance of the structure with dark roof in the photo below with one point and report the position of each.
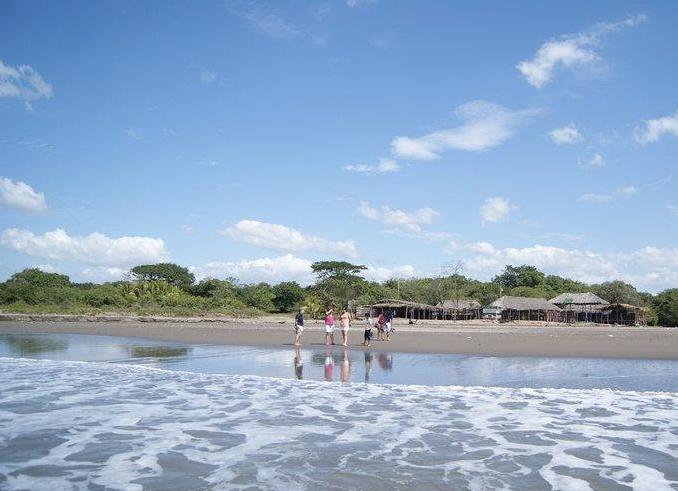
(527, 308)
(460, 309)
(581, 307)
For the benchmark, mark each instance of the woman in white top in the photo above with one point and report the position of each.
(345, 323)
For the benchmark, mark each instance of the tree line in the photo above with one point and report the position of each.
(170, 289)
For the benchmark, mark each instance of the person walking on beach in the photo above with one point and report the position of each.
(368, 330)
(298, 327)
(388, 324)
(329, 326)
(381, 320)
(345, 323)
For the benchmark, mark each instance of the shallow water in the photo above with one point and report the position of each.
(135, 418)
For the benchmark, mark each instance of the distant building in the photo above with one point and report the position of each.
(460, 309)
(526, 309)
(581, 307)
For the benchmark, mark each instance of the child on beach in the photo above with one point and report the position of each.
(388, 320)
(298, 327)
(329, 326)
(368, 330)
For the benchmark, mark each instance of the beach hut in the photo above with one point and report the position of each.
(581, 307)
(460, 309)
(405, 309)
(527, 309)
(625, 314)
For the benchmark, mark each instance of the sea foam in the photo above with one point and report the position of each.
(76, 425)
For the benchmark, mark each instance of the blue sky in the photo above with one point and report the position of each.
(250, 138)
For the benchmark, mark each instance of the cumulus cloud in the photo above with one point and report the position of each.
(653, 129)
(21, 196)
(384, 166)
(95, 249)
(495, 209)
(566, 135)
(649, 268)
(570, 51)
(410, 221)
(486, 125)
(269, 269)
(376, 273)
(23, 82)
(619, 193)
(282, 238)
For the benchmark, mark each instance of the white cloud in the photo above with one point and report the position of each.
(132, 134)
(282, 238)
(356, 3)
(622, 192)
(96, 248)
(383, 166)
(187, 229)
(566, 135)
(207, 76)
(23, 82)
(596, 161)
(410, 221)
(486, 125)
(20, 195)
(100, 274)
(379, 274)
(269, 269)
(264, 19)
(570, 51)
(649, 268)
(654, 129)
(495, 209)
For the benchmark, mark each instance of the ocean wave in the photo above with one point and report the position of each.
(79, 425)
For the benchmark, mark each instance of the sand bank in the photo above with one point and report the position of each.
(467, 338)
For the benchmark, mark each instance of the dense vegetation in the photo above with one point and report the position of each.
(169, 289)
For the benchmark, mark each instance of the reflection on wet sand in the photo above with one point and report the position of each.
(345, 360)
(32, 345)
(298, 365)
(157, 351)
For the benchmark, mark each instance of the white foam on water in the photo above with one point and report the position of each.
(69, 425)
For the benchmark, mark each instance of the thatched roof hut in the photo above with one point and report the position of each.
(587, 298)
(406, 309)
(527, 308)
(462, 304)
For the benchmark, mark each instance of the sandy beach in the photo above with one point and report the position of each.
(462, 338)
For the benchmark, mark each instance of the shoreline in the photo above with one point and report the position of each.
(591, 341)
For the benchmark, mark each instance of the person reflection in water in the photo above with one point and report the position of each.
(345, 367)
(329, 366)
(385, 361)
(368, 365)
(298, 365)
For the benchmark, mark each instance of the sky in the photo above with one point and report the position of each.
(249, 139)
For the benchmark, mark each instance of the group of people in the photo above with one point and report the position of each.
(383, 324)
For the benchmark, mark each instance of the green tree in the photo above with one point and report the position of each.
(259, 296)
(338, 281)
(287, 295)
(618, 292)
(39, 278)
(171, 273)
(666, 307)
(524, 275)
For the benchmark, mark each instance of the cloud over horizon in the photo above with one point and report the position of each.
(21, 196)
(281, 238)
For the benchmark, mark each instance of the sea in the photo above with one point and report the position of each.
(87, 412)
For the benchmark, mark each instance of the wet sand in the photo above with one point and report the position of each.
(467, 338)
